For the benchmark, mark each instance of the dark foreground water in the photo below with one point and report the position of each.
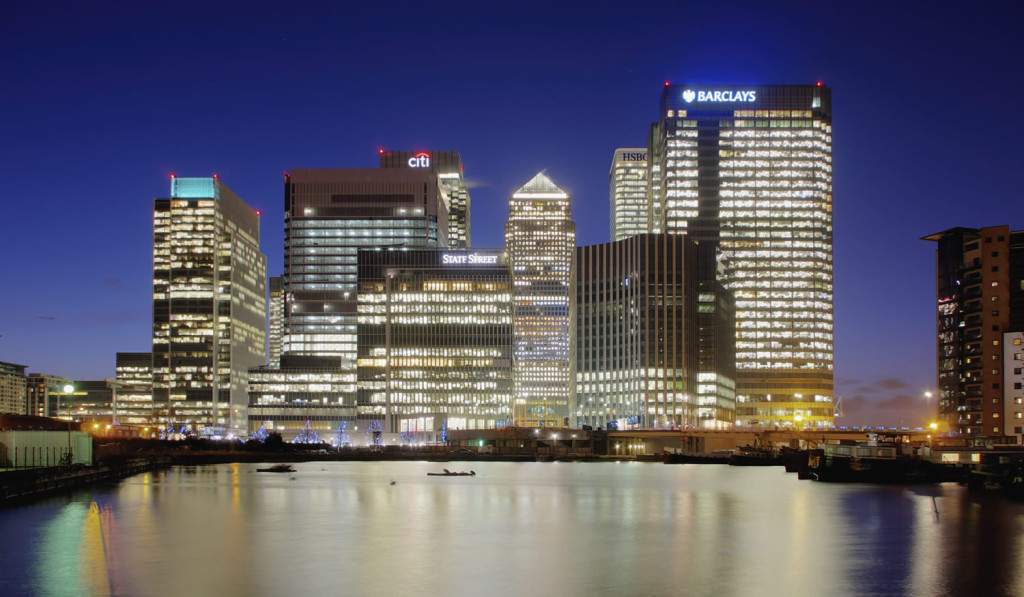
(343, 528)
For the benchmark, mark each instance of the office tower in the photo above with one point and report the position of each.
(435, 341)
(330, 215)
(716, 318)
(209, 304)
(654, 198)
(275, 321)
(540, 237)
(637, 333)
(134, 372)
(979, 292)
(447, 165)
(13, 387)
(39, 393)
(749, 169)
(627, 187)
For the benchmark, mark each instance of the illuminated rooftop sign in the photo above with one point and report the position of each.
(420, 160)
(702, 95)
(469, 259)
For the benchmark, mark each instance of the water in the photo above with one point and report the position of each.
(342, 528)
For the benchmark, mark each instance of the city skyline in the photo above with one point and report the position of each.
(103, 117)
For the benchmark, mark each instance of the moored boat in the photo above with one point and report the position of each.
(448, 473)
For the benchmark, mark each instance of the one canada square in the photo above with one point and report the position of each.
(750, 169)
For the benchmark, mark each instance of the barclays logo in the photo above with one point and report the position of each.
(719, 96)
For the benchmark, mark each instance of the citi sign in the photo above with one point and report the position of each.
(719, 96)
(420, 160)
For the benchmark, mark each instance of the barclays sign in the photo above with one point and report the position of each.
(702, 95)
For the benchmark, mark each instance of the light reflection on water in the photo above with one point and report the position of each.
(515, 528)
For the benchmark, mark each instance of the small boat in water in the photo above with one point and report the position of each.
(448, 473)
(277, 468)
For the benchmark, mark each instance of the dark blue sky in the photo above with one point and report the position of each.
(101, 104)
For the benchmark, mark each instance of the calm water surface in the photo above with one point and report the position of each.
(342, 528)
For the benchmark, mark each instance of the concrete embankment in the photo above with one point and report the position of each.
(27, 484)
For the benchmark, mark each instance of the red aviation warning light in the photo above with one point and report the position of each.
(667, 83)
(259, 213)
(819, 83)
(380, 150)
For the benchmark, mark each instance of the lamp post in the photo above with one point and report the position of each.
(68, 389)
(927, 404)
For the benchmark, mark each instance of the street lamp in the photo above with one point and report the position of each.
(68, 389)
(927, 403)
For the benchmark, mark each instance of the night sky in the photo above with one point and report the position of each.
(101, 105)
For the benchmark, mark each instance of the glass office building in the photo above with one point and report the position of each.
(636, 333)
(627, 188)
(209, 304)
(454, 192)
(541, 237)
(435, 341)
(330, 216)
(749, 169)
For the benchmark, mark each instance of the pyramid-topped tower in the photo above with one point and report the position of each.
(541, 237)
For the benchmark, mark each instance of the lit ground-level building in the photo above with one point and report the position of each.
(627, 188)
(435, 341)
(13, 388)
(134, 370)
(39, 392)
(750, 170)
(209, 304)
(979, 319)
(99, 403)
(639, 337)
(540, 237)
(301, 390)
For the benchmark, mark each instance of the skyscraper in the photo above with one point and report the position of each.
(749, 169)
(979, 294)
(209, 304)
(275, 321)
(435, 340)
(447, 165)
(627, 187)
(331, 215)
(637, 332)
(540, 237)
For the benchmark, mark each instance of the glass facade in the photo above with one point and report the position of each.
(209, 304)
(627, 183)
(135, 393)
(750, 171)
(330, 216)
(637, 341)
(435, 340)
(540, 237)
(447, 165)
